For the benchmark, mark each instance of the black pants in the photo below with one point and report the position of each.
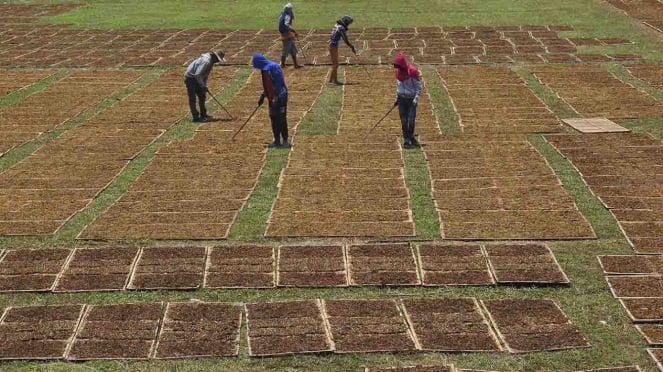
(193, 89)
(408, 114)
(278, 114)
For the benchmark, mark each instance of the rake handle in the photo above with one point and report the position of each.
(246, 122)
(384, 117)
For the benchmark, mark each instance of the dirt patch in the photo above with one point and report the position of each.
(524, 263)
(643, 309)
(105, 269)
(411, 369)
(286, 328)
(200, 330)
(450, 325)
(653, 333)
(651, 74)
(641, 286)
(311, 266)
(169, 268)
(594, 92)
(478, 192)
(647, 245)
(453, 265)
(469, 91)
(31, 270)
(657, 355)
(613, 265)
(528, 325)
(367, 326)
(241, 266)
(648, 11)
(125, 331)
(382, 264)
(15, 80)
(82, 97)
(38, 332)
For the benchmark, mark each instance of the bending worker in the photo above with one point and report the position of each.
(195, 79)
(338, 33)
(276, 92)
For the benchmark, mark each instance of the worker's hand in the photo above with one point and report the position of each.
(396, 102)
(261, 100)
(207, 90)
(415, 100)
(352, 47)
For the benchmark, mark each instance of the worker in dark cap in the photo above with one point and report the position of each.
(338, 33)
(195, 79)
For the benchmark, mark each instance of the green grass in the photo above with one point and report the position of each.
(651, 126)
(251, 221)
(418, 181)
(443, 108)
(589, 17)
(21, 94)
(323, 118)
(588, 301)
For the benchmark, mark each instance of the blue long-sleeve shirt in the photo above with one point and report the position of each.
(274, 74)
(285, 22)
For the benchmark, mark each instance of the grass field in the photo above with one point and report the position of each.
(587, 301)
(589, 17)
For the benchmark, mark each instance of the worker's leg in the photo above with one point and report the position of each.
(333, 54)
(200, 92)
(191, 92)
(283, 113)
(412, 118)
(274, 117)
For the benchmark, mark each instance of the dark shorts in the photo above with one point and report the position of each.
(289, 47)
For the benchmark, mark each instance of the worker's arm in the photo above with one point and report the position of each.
(345, 39)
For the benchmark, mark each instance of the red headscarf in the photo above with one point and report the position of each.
(404, 71)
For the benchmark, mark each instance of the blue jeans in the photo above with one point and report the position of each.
(408, 113)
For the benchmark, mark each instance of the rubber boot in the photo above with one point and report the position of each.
(285, 144)
(294, 61)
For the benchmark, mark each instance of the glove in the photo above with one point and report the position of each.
(352, 47)
(396, 102)
(261, 100)
(415, 100)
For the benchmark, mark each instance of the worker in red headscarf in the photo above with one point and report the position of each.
(408, 90)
